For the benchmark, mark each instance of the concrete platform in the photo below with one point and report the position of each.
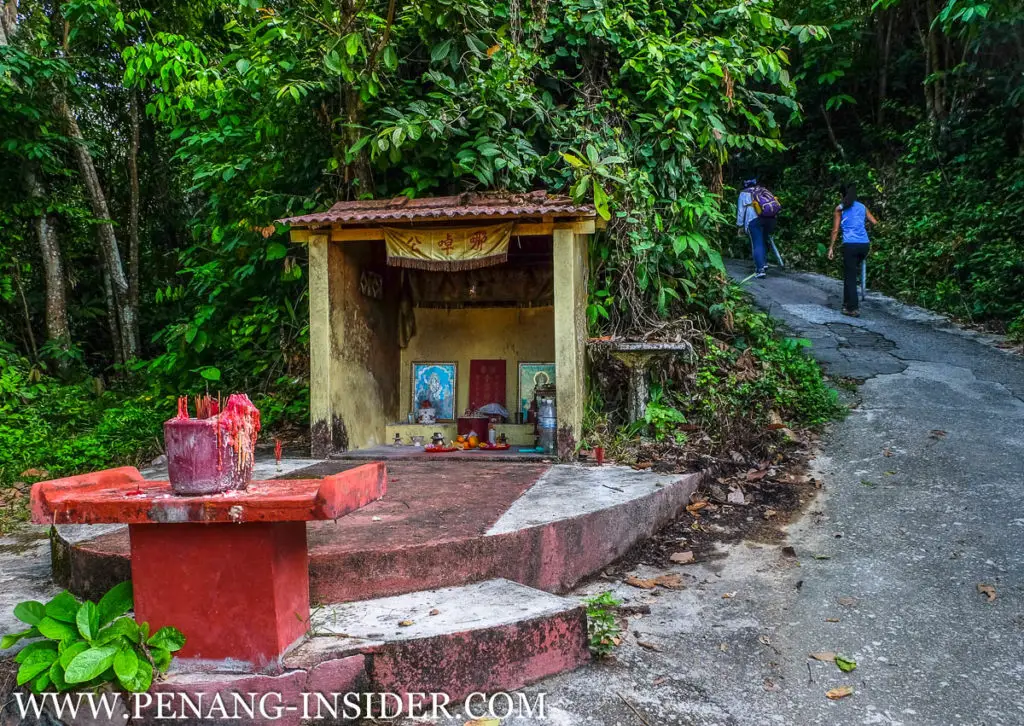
(486, 637)
(546, 526)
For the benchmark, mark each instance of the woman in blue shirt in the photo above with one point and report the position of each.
(851, 217)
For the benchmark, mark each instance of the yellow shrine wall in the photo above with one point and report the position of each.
(512, 334)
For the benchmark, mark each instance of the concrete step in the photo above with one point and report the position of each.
(488, 637)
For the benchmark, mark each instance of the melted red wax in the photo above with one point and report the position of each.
(240, 424)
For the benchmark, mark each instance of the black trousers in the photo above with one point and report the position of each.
(853, 256)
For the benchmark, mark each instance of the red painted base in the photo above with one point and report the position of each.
(237, 591)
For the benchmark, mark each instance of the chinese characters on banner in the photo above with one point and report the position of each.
(448, 249)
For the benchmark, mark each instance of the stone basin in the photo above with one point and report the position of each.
(637, 355)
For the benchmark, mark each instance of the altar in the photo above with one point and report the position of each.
(436, 317)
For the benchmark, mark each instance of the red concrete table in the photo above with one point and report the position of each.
(231, 571)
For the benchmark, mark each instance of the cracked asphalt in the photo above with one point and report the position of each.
(922, 502)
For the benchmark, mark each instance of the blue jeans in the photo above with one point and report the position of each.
(759, 229)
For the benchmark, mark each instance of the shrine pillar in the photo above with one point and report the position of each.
(570, 284)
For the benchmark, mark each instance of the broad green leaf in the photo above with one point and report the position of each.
(30, 669)
(122, 627)
(276, 250)
(601, 201)
(64, 607)
(126, 664)
(845, 664)
(56, 630)
(574, 160)
(210, 373)
(88, 620)
(57, 676)
(72, 650)
(40, 645)
(30, 612)
(167, 637)
(161, 658)
(142, 679)
(11, 640)
(352, 44)
(390, 58)
(41, 682)
(441, 50)
(243, 65)
(89, 664)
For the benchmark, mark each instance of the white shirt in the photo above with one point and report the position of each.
(745, 213)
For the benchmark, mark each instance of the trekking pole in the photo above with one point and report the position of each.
(864, 279)
(771, 241)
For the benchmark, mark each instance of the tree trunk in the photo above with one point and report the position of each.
(29, 335)
(112, 316)
(936, 65)
(8, 20)
(133, 218)
(885, 24)
(57, 329)
(832, 133)
(127, 323)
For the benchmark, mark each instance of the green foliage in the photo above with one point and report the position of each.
(931, 128)
(66, 428)
(946, 238)
(663, 418)
(86, 645)
(602, 626)
(251, 113)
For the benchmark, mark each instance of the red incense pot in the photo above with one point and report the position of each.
(212, 454)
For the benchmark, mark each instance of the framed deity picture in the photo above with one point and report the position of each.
(532, 375)
(435, 382)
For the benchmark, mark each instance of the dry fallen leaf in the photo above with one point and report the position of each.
(682, 558)
(937, 433)
(484, 722)
(831, 620)
(659, 681)
(728, 595)
(672, 582)
(769, 685)
(696, 507)
(641, 583)
(764, 640)
(886, 452)
(769, 513)
(650, 646)
(825, 655)
(405, 623)
(842, 692)
(435, 611)
(724, 647)
(847, 602)
(757, 475)
(988, 590)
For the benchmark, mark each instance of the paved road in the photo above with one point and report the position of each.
(908, 538)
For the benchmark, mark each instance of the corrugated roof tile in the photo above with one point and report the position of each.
(471, 204)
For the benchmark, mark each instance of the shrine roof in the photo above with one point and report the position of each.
(483, 205)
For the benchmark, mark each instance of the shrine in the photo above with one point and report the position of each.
(447, 323)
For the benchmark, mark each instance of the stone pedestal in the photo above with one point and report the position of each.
(231, 570)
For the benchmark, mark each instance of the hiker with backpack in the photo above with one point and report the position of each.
(852, 217)
(756, 213)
